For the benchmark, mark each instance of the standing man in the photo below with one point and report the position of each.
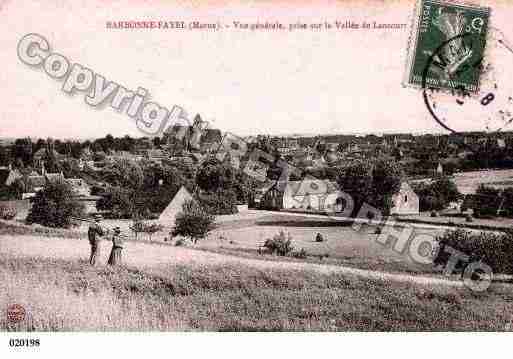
(94, 231)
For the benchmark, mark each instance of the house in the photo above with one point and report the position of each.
(405, 201)
(89, 203)
(54, 177)
(123, 155)
(168, 215)
(78, 186)
(35, 182)
(439, 170)
(87, 154)
(307, 194)
(8, 176)
(154, 155)
(41, 154)
(178, 161)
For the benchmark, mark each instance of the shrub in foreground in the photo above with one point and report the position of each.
(279, 244)
(7, 212)
(496, 250)
(193, 222)
(301, 254)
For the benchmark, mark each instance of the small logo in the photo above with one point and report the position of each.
(15, 313)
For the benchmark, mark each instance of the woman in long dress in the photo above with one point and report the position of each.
(117, 248)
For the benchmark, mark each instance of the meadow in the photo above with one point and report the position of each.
(62, 295)
(223, 284)
(468, 182)
(167, 288)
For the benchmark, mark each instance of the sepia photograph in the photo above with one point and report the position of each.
(338, 166)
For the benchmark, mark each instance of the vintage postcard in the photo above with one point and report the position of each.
(254, 166)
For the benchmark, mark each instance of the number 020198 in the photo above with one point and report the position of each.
(24, 342)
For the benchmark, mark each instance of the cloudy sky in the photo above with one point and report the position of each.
(247, 82)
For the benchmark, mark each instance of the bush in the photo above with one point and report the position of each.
(180, 242)
(279, 244)
(496, 250)
(193, 222)
(55, 205)
(7, 212)
(153, 228)
(139, 226)
(220, 202)
(487, 202)
(117, 200)
(301, 254)
(437, 195)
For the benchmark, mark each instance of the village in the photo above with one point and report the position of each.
(313, 203)
(96, 169)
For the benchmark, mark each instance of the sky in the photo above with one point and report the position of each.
(245, 82)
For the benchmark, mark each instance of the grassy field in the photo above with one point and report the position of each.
(342, 244)
(70, 295)
(243, 234)
(224, 285)
(468, 182)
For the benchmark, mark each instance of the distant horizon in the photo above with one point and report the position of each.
(301, 135)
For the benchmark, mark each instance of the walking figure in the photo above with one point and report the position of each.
(117, 247)
(94, 231)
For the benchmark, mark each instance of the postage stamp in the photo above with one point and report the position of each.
(453, 37)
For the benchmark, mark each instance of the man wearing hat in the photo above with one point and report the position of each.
(95, 230)
(117, 247)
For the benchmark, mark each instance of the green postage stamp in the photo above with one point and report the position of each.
(447, 45)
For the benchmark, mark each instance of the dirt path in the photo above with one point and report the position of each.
(150, 255)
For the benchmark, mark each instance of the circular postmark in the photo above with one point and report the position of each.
(16, 313)
(456, 106)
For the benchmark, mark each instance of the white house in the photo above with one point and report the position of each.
(308, 194)
(405, 201)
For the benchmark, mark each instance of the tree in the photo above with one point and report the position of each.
(14, 191)
(214, 176)
(386, 181)
(219, 202)
(125, 173)
(437, 195)
(54, 206)
(160, 185)
(487, 201)
(23, 150)
(156, 141)
(153, 228)
(50, 159)
(5, 157)
(70, 168)
(118, 201)
(356, 181)
(137, 227)
(371, 183)
(279, 244)
(193, 222)
(126, 143)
